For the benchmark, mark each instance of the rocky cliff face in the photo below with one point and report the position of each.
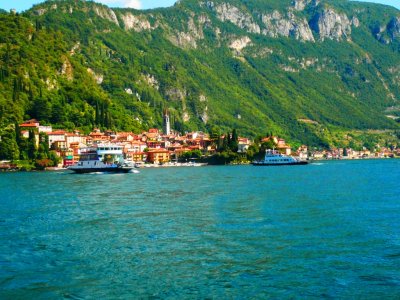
(325, 22)
(228, 12)
(106, 13)
(193, 33)
(302, 20)
(300, 5)
(136, 22)
(394, 27)
(332, 25)
(277, 25)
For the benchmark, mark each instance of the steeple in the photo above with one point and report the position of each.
(166, 122)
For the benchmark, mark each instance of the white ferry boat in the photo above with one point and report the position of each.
(274, 158)
(102, 158)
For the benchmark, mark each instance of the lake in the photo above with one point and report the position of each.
(325, 230)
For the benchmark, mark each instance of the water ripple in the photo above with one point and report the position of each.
(215, 232)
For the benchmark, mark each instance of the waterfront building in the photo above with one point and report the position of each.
(74, 138)
(280, 143)
(152, 134)
(243, 144)
(136, 156)
(59, 146)
(137, 146)
(125, 137)
(156, 156)
(97, 137)
(56, 136)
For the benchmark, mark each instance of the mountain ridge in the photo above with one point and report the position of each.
(258, 66)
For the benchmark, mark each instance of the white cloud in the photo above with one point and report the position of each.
(122, 3)
(133, 4)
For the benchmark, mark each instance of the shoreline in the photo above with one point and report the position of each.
(182, 165)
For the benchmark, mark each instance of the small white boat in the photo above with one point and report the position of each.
(274, 158)
(103, 158)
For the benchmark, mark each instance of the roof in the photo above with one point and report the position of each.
(137, 143)
(120, 134)
(58, 132)
(95, 134)
(182, 150)
(28, 125)
(158, 150)
(136, 153)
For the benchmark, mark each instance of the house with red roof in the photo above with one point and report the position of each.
(281, 145)
(74, 138)
(97, 137)
(56, 136)
(156, 156)
(243, 144)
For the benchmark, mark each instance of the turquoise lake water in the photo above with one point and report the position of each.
(325, 230)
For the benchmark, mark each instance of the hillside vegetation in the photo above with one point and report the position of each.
(302, 69)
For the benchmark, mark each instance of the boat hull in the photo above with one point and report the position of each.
(101, 170)
(261, 164)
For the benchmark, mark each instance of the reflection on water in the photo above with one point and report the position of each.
(317, 231)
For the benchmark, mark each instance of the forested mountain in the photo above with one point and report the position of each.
(302, 69)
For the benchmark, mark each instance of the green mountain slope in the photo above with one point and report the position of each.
(295, 68)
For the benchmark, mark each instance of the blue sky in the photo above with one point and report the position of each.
(21, 5)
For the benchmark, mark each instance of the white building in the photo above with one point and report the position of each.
(56, 136)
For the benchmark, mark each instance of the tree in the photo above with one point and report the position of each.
(97, 113)
(58, 113)
(225, 143)
(17, 133)
(53, 156)
(234, 141)
(8, 146)
(16, 90)
(32, 151)
(44, 140)
(42, 164)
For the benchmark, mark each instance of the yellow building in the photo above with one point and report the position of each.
(158, 155)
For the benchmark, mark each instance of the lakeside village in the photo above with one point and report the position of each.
(166, 147)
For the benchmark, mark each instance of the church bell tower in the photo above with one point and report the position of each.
(166, 123)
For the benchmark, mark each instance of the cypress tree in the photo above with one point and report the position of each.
(30, 92)
(103, 115)
(31, 145)
(220, 143)
(15, 90)
(234, 142)
(17, 134)
(225, 142)
(97, 113)
(44, 141)
(7, 54)
(109, 120)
